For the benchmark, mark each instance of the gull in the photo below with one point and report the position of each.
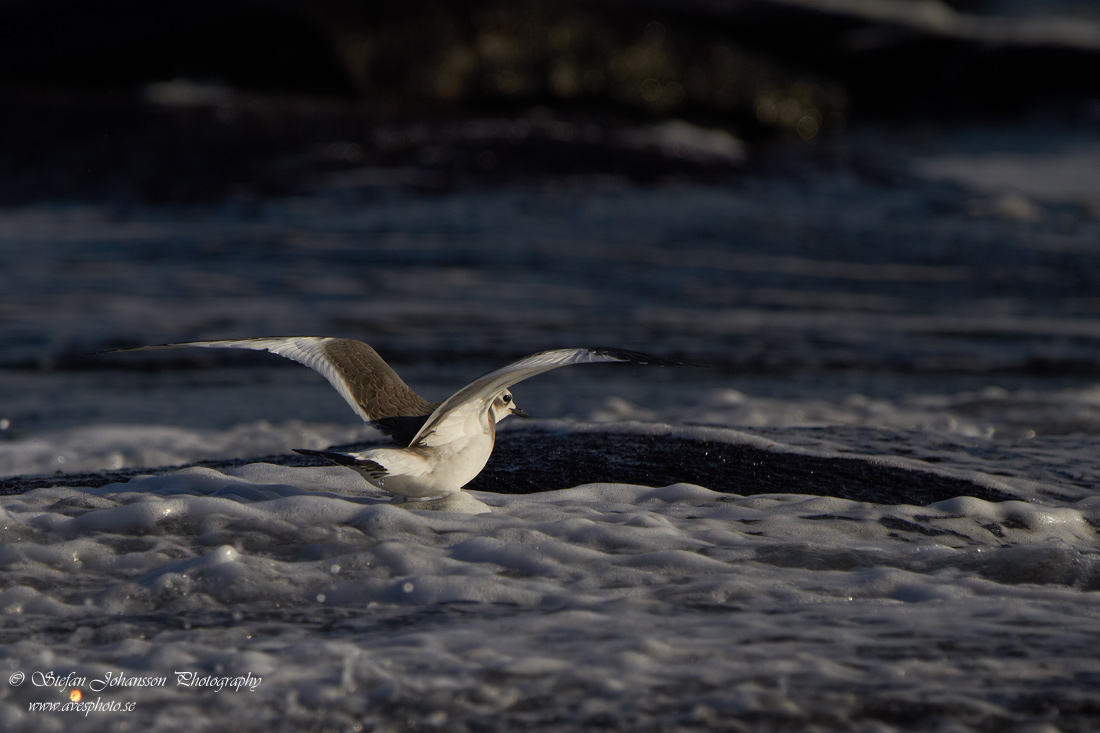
(439, 446)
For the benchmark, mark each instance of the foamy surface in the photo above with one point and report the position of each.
(610, 605)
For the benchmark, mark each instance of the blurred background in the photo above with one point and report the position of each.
(860, 210)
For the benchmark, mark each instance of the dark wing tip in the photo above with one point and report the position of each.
(376, 470)
(342, 458)
(124, 349)
(637, 357)
(401, 429)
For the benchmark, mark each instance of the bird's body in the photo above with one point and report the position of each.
(439, 446)
(429, 468)
(418, 472)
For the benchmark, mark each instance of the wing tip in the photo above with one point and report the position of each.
(637, 357)
(146, 347)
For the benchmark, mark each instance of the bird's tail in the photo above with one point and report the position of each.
(375, 469)
(344, 459)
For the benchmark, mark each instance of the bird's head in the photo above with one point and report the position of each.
(504, 405)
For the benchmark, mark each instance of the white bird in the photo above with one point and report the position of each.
(441, 446)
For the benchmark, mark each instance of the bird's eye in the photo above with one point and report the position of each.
(507, 398)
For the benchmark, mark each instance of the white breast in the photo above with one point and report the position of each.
(431, 471)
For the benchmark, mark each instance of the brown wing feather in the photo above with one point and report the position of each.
(373, 383)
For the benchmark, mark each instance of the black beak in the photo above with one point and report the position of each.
(519, 413)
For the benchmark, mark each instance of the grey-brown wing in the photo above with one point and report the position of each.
(365, 381)
(372, 383)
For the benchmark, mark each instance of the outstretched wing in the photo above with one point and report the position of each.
(359, 374)
(459, 414)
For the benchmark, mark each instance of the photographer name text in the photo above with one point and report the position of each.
(119, 680)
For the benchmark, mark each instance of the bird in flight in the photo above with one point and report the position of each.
(439, 446)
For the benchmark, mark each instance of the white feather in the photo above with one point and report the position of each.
(457, 416)
(305, 350)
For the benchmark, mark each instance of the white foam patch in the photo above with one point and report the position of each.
(586, 594)
(611, 534)
(991, 412)
(112, 447)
